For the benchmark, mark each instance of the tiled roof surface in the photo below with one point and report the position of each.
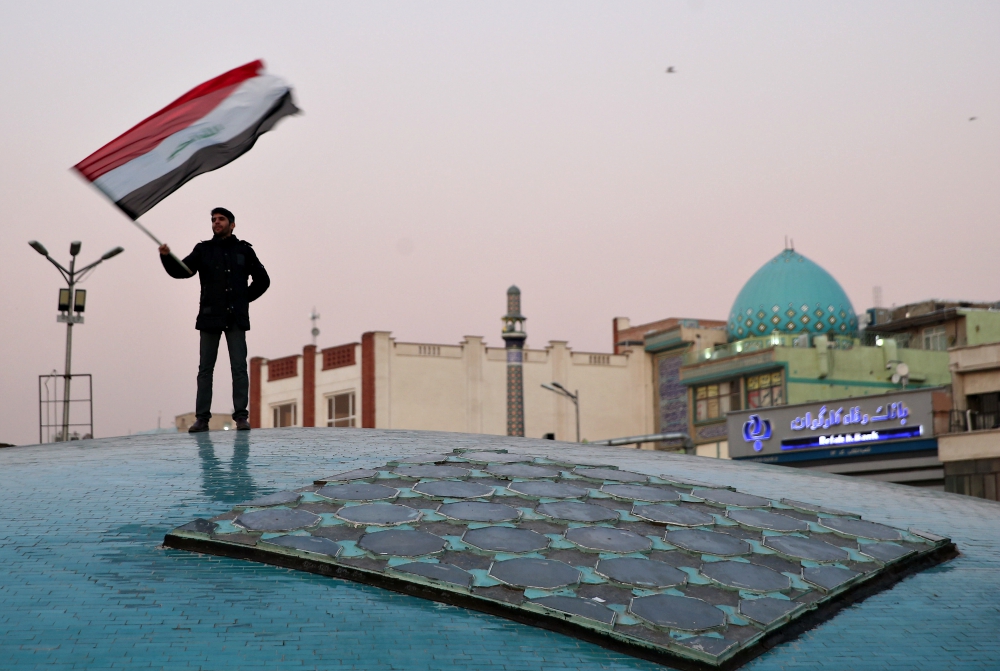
(86, 585)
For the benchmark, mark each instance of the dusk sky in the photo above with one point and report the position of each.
(448, 150)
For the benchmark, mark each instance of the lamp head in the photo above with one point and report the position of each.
(74, 247)
(114, 252)
(559, 386)
(39, 247)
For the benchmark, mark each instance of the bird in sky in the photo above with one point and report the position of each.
(972, 118)
(670, 70)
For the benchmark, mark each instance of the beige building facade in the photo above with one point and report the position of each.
(380, 382)
(971, 450)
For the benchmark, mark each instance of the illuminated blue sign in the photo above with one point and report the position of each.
(825, 418)
(856, 438)
(848, 424)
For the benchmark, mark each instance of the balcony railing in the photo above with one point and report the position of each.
(972, 420)
(872, 338)
(760, 344)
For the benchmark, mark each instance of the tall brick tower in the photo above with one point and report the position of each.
(514, 337)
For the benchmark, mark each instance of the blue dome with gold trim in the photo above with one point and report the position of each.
(791, 294)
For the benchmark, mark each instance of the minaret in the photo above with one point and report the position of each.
(513, 337)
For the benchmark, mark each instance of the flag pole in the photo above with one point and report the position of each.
(160, 244)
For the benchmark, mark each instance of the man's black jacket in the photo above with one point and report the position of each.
(223, 266)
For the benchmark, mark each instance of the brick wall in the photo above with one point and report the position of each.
(338, 357)
(309, 385)
(255, 372)
(279, 369)
(368, 380)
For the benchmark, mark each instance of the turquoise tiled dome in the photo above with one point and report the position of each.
(791, 294)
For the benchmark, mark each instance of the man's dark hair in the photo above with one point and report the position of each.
(226, 213)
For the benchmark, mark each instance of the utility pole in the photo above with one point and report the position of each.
(575, 397)
(315, 330)
(71, 301)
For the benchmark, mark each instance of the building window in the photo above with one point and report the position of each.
(340, 410)
(766, 390)
(935, 338)
(713, 401)
(284, 415)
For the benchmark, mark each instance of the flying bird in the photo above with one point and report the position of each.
(972, 118)
(670, 70)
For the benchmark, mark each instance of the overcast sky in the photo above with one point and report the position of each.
(449, 150)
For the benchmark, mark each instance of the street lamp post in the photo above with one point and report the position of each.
(575, 397)
(70, 302)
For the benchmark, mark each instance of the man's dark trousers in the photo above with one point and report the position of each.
(236, 341)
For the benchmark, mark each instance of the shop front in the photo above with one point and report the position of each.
(889, 437)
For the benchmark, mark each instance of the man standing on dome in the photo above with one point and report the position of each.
(224, 264)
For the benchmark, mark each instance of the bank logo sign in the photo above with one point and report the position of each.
(756, 431)
(858, 424)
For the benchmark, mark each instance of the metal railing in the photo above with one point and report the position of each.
(872, 338)
(673, 437)
(973, 420)
(762, 343)
(50, 409)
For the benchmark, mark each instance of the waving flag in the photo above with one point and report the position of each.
(201, 131)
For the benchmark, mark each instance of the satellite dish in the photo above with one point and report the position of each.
(902, 370)
(896, 377)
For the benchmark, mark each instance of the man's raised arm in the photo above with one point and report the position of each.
(173, 268)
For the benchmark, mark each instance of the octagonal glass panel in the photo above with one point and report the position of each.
(378, 514)
(451, 489)
(743, 575)
(725, 497)
(430, 471)
(510, 471)
(538, 573)
(580, 607)
(506, 539)
(496, 458)
(645, 573)
(278, 519)
(677, 515)
(358, 491)
(547, 490)
(612, 474)
(314, 544)
(402, 543)
(766, 609)
(608, 539)
(677, 612)
(708, 542)
(356, 474)
(479, 511)
(762, 519)
(806, 548)
(446, 573)
(641, 493)
(860, 529)
(574, 511)
(276, 499)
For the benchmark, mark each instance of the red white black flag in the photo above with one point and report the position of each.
(201, 131)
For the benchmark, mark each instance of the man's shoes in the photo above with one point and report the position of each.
(242, 425)
(200, 426)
